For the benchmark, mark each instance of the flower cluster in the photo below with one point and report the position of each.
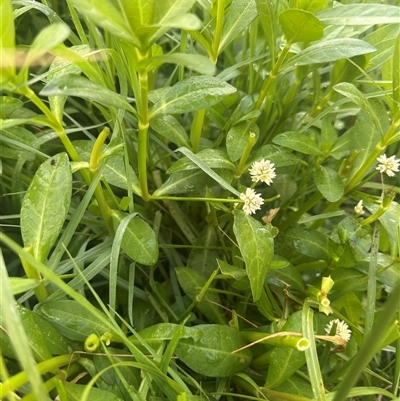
(388, 165)
(359, 208)
(342, 329)
(252, 201)
(263, 171)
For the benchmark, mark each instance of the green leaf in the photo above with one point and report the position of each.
(232, 271)
(20, 284)
(267, 17)
(396, 71)
(360, 14)
(204, 260)
(350, 91)
(289, 275)
(7, 42)
(75, 391)
(192, 283)
(285, 361)
(107, 16)
(241, 13)
(182, 182)
(329, 50)
(308, 242)
(300, 142)
(138, 13)
(350, 306)
(192, 94)
(75, 85)
(309, 5)
(71, 319)
(277, 155)
(257, 248)
(213, 158)
(195, 159)
(139, 241)
(195, 62)
(45, 205)
(212, 354)
(238, 137)
(170, 128)
(349, 242)
(8, 104)
(300, 26)
(46, 40)
(329, 183)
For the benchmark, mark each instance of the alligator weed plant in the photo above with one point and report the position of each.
(198, 200)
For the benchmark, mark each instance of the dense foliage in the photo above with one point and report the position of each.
(199, 200)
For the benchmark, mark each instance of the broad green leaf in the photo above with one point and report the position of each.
(46, 40)
(192, 94)
(347, 280)
(107, 16)
(285, 361)
(59, 67)
(256, 245)
(221, 181)
(139, 241)
(114, 171)
(349, 305)
(75, 85)
(192, 283)
(138, 13)
(7, 42)
(267, 16)
(204, 260)
(231, 271)
(195, 62)
(213, 158)
(360, 14)
(20, 284)
(19, 139)
(289, 275)
(300, 142)
(155, 335)
(170, 128)
(329, 183)
(71, 319)
(241, 13)
(309, 5)
(170, 10)
(75, 392)
(350, 91)
(308, 242)
(349, 242)
(45, 205)
(300, 26)
(8, 104)
(238, 137)
(212, 354)
(182, 182)
(329, 50)
(296, 386)
(277, 155)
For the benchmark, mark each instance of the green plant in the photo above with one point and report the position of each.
(199, 200)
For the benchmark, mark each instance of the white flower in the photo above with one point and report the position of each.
(252, 201)
(388, 165)
(359, 208)
(263, 171)
(342, 329)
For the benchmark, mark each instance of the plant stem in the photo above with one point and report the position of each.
(245, 155)
(218, 29)
(197, 127)
(143, 134)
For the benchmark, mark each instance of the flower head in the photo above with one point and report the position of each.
(252, 201)
(388, 165)
(359, 208)
(342, 329)
(263, 171)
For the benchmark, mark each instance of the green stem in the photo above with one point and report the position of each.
(218, 29)
(98, 192)
(47, 366)
(143, 134)
(249, 146)
(371, 291)
(197, 127)
(273, 75)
